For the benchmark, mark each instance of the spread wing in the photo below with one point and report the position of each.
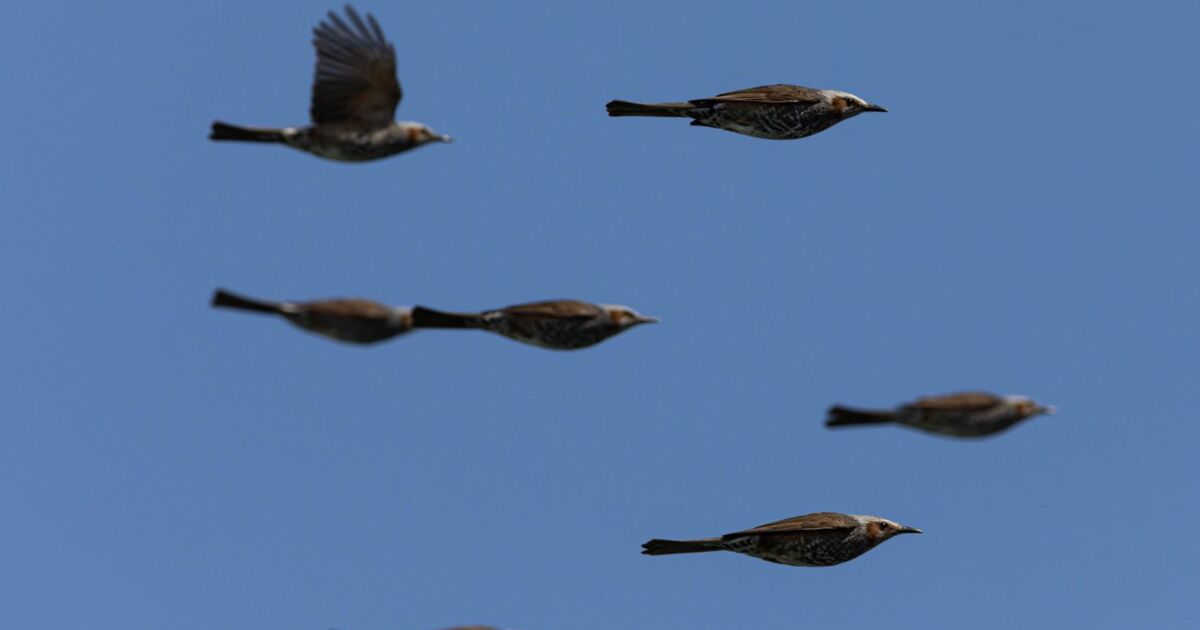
(557, 309)
(819, 521)
(356, 72)
(769, 94)
(966, 401)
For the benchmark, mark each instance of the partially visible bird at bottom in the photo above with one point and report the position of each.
(354, 97)
(820, 539)
(351, 320)
(966, 414)
(553, 324)
(773, 112)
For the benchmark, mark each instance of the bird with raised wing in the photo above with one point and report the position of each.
(354, 97)
(554, 324)
(820, 539)
(774, 112)
(351, 320)
(966, 414)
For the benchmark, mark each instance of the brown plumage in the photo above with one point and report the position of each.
(965, 414)
(352, 320)
(818, 539)
(774, 112)
(355, 93)
(554, 324)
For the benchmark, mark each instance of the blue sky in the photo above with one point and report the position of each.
(1023, 221)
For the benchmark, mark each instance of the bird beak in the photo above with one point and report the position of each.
(643, 319)
(1047, 409)
(445, 138)
(871, 107)
(909, 530)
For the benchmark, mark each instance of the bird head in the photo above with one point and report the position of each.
(851, 105)
(880, 529)
(1027, 407)
(423, 135)
(625, 317)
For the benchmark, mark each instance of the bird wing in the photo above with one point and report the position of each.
(965, 401)
(556, 309)
(356, 72)
(819, 521)
(350, 307)
(767, 94)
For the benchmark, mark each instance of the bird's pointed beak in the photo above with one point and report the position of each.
(646, 319)
(445, 138)
(909, 530)
(871, 107)
(1048, 410)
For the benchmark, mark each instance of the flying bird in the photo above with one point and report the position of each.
(555, 324)
(350, 320)
(774, 112)
(820, 539)
(968, 414)
(354, 99)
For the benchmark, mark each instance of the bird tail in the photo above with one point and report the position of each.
(659, 547)
(226, 131)
(667, 110)
(224, 299)
(429, 318)
(843, 416)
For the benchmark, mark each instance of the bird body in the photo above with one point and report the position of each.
(348, 319)
(967, 414)
(773, 112)
(354, 98)
(820, 539)
(553, 324)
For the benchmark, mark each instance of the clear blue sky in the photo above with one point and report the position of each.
(1024, 221)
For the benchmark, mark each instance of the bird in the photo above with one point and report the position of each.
(965, 414)
(350, 320)
(820, 539)
(354, 97)
(553, 324)
(773, 112)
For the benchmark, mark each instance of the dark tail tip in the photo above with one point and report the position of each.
(839, 416)
(225, 131)
(627, 108)
(660, 547)
(225, 299)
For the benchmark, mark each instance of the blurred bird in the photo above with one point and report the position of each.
(774, 112)
(354, 97)
(821, 539)
(969, 414)
(555, 324)
(350, 320)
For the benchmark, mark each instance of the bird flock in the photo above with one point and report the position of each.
(355, 94)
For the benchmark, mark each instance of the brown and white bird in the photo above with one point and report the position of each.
(354, 98)
(349, 319)
(774, 112)
(968, 414)
(820, 539)
(555, 324)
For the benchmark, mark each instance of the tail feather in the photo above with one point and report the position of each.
(429, 318)
(226, 131)
(224, 299)
(667, 110)
(844, 416)
(660, 547)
